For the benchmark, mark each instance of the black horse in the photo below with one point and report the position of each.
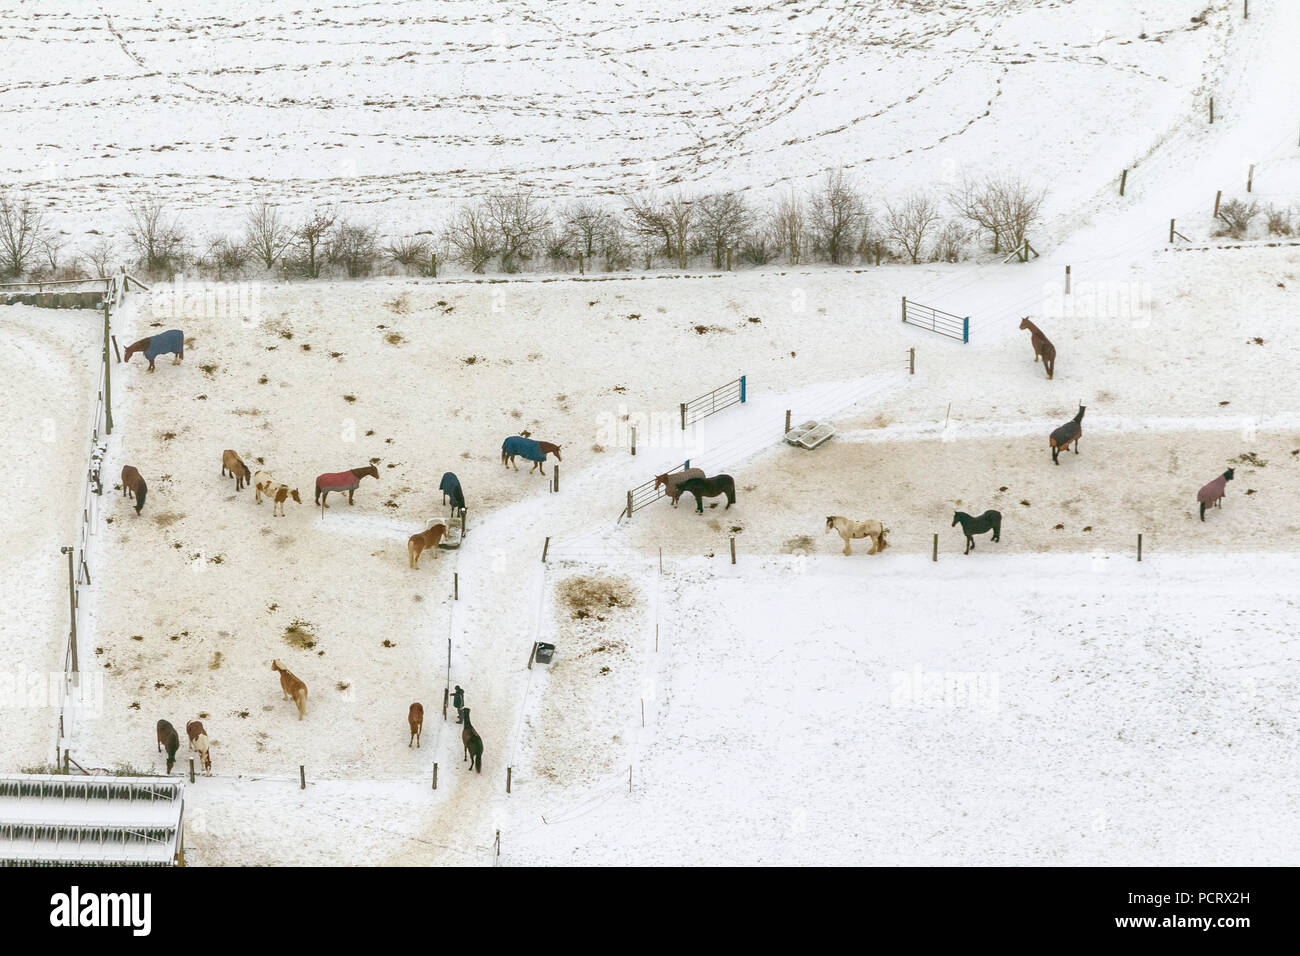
(1067, 435)
(988, 521)
(703, 488)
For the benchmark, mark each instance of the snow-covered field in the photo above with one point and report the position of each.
(1046, 699)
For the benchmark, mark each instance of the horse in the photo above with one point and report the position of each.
(473, 743)
(134, 486)
(1067, 435)
(231, 462)
(342, 481)
(415, 717)
(1212, 494)
(167, 738)
(292, 687)
(672, 482)
(529, 450)
(988, 521)
(450, 488)
(426, 540)
(171, 341)
(277, 491)
(1041, 346)
(199, 741)
(858, 529)
(703, 488)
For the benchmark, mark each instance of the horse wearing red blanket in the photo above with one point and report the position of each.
(342, 481)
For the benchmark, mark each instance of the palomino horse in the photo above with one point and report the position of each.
(529, 450)
(858, 529)
(427, 540)
(673, 480)
(415, 717)
(167, 738)
(342, 481)
(293, 688)
(1067, 435)
(473, 743)
(988, 521)
(266, 486)
(1041, 346)
(171, 341)
(231, 462)
(199, 741)
(1212, 494)
(134, 486)
(703, 488)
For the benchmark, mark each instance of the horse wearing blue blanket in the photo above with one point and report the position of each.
(450, 488)
(171, 341)
(529, 450)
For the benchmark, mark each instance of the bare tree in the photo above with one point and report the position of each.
(519, 220)
(1004, 207)
(22, 232)
(156, 235)
(312, 239)
(950, 242)
(472, 236)
(226, 255)
(909, 222)
(409, 251)
(721, 219)
(265, 234)
(102, 256)
(1237, 214)
(585, 224)
(787, 227)
(355, 247)
(679, 220)
(834, 211)
(614, 248)
(648, 219)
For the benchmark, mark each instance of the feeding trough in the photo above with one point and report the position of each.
(810, 434)
(455, 531)
(544, 653)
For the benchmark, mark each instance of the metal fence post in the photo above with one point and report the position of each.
(742, 390)
(965, 329)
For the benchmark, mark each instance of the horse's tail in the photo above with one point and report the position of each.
(140, 492)
(731, 491)
(318, 491)
(882, 544)
(503, 454)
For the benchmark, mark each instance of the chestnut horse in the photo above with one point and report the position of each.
(415, 717)
(529, 450)
(473, 743)
(167, 738)
(199, 741)
(673, 480)
(1041, 346)
(342, 481)
(173, 341)
(417, 544)
(134, 486)
(231, 462)
(292, 687)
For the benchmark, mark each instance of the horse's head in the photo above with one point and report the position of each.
(276, 665)
(661, 480)
(130, 350)
(830, 523)
(1227, 475)
(556, 450)
(1024, 323)
(955, 516)
(372, 471)
(294, 495)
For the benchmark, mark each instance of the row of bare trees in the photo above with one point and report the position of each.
(835, 221)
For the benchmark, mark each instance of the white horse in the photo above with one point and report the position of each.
(858, 529)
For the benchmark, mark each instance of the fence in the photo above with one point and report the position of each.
(733, 393)
(945, 323)
(647, 493)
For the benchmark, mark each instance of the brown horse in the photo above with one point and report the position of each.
(167, 738)
(415, 717)
(529, 450)
(1041, 346)
(172, 341)
(231, 462)
(341, 481)
(473, 743)
(673, 480)
(417, 544)
(199, 741)
(292, 687)
(133, 485)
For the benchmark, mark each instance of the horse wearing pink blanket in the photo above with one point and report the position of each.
(342, 481)
(1212, 494)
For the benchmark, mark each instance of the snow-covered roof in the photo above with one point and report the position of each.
(58, 819)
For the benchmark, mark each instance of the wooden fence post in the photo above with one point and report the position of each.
(787, 422)
(433, 262)
(683, 416)
(911, 361)
(905, 308)
(1217, 196)
(556, 476)
(1139, 545)
(446, 696)
(1123, 178)
(629, 504)
(634, 439)
(455, 585)
(435, 775)
(191, 770)
(1250, 177)
(508, 772)
(1067, 280)
(1211, 110)
(733, 549)
(302, 777)
(580, 269)
(728, 258)
(934, 554)
(546, 545)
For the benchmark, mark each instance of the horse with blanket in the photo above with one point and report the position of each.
(450, 488)
(341, 481)
(529, 450)
(172, 341)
